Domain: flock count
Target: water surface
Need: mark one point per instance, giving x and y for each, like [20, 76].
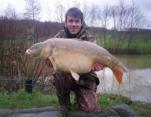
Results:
[136, 83]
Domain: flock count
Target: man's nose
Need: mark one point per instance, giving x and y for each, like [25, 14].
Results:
[73, 23]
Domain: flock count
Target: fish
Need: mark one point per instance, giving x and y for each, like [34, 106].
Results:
[76, 56]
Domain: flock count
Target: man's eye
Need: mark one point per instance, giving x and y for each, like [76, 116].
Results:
[70, 21]
[77, 21]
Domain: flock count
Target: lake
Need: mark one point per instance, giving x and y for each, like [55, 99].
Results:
[136, 83]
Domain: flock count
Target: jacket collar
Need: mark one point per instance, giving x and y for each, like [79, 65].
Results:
[78, 35]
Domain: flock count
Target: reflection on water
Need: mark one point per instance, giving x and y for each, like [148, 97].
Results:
[142, 85]
[136, 83]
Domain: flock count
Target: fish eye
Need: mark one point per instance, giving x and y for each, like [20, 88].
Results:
[34, 47]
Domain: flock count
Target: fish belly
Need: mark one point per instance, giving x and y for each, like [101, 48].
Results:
[72, 61]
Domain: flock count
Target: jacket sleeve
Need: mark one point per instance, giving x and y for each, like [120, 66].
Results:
[91, 38]
[60, 34]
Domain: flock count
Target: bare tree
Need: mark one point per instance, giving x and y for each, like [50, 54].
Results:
[32, 10]
[60, 13]
[86, 12]
[10, 17]
[93, 15]
[10, 13]
[104, 20]
[134, 21]
[114, 22]
[113, 17]
[121, 18]
[125, 17]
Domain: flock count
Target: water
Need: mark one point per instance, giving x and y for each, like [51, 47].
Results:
[136, 61]
[136, 83]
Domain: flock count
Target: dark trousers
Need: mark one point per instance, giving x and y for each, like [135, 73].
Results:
[85, 96]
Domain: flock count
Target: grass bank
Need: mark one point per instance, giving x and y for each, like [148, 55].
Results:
[125, 46]
[22, 99]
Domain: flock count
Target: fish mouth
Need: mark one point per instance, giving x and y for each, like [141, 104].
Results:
[28, 53]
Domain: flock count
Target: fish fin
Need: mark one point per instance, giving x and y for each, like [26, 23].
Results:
[118, 72]
[53, 63]
[75, 75]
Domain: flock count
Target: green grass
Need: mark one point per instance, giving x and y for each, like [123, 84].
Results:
[143, 109]
[139, 44]
[22, 99]
[108, 100]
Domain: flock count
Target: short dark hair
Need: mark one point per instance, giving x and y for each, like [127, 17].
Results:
[75, 12]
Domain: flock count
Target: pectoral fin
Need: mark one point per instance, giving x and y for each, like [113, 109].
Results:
[53, 63]
[75, 75]
[118, 72]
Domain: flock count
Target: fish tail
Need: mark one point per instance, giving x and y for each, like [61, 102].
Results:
[118, 72]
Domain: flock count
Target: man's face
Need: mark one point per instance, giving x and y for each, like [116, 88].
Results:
[73, 24]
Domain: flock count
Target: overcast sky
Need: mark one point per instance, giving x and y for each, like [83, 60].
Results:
[48, 6]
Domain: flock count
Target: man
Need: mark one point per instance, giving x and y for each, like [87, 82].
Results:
[85, 89]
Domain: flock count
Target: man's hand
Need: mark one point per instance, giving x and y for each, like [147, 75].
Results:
[97, 67]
